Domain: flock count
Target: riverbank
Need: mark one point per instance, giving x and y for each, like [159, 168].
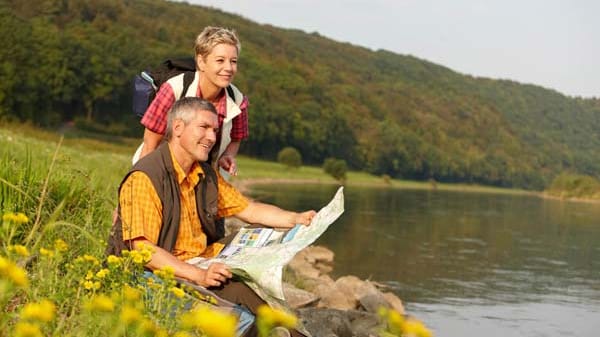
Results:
[245, 184]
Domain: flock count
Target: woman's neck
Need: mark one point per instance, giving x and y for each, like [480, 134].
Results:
[210, 92]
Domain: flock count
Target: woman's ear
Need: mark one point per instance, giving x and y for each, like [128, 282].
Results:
[199, 63]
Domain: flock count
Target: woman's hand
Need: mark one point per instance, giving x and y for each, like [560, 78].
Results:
[227, 163]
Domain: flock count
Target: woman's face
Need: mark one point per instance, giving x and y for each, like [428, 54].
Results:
[220, 65]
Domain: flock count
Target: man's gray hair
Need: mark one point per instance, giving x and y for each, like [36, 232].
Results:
[185, 109]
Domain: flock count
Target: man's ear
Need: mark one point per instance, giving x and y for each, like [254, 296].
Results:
[178, 126]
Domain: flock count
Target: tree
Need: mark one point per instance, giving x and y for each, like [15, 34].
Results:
[290, 157]
[336, 168]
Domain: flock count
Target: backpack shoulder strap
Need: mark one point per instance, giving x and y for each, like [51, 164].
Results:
[188, 78]
[235, 94]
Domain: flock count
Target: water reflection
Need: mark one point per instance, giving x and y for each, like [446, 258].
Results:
[466, 260]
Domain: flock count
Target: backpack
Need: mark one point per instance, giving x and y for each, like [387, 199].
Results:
[147, 83]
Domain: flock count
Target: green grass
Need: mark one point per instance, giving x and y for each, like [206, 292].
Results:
[66, 188]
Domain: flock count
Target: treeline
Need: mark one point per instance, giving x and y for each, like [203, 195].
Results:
[385, 113]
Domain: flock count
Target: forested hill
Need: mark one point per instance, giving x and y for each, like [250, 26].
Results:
[382, 112]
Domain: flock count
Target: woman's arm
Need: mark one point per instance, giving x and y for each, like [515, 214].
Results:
[151, 141]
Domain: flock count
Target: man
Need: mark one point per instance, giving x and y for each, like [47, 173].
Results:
[171, 198]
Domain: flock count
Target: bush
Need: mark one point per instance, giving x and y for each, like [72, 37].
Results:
[387, 179]
[570, 185]
[290, 157]
[336, 168]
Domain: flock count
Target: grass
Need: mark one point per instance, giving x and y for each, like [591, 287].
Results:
[57, 195]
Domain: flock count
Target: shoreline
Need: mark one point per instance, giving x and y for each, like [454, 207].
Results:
[245, 185]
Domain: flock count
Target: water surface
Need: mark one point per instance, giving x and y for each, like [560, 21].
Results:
[468, 264]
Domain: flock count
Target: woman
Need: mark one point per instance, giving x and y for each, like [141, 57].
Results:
[216, 56]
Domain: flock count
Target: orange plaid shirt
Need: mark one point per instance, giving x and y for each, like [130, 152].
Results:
[141, 211]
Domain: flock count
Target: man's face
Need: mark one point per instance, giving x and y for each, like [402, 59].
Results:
[220, 65]
[198, 137]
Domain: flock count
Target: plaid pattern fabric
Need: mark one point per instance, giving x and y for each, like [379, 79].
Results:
[141, 211]
[155, 118]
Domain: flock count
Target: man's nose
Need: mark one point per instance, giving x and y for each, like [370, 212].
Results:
[212, 135]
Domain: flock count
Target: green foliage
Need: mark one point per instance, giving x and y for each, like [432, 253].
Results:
[381, 112]
[336, 168]
[568, 185]
[290, 157]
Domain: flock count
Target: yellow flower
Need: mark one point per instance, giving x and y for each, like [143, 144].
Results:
[137, 257]
[15, 274]
[211, 322]
[43, 311]
[46, 252]
[166, 273]
[394, 320]
[113, 261]
[100, 303]
[19, 250]
[21, 218]
[178, 292]
[147, 328]
[131, 294]
[17, 218]
[272, 317]
[26, 329]
[130, 315]
[182, 334]
[60, 245]
[92, 259]
[88, 285]
[414, 328]
[89, 275]
[102, 273]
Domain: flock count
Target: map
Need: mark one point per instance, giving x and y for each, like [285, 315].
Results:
[261, 268]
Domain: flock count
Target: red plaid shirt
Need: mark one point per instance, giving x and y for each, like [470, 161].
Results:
[155, 118]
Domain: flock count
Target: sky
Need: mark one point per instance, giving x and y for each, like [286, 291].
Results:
[551, 43]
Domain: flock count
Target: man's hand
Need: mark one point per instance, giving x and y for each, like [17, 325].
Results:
[214, 276]
[227, 163]
[305, 218]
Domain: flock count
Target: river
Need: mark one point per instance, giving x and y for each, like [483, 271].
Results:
[468, 264]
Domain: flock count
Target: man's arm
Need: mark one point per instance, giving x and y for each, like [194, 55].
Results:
[273, 216]
[216, 273]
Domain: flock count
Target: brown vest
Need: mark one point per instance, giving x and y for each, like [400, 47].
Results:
[159, 168]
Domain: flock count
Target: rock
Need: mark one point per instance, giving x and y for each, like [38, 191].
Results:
[323, 268]
[326, 322]
[319, 254]
[394, 302]
[355, 287]
[298, 298]
[332, 322]
[312, 263]
[373, 301]
[363, 323]
[332, 297]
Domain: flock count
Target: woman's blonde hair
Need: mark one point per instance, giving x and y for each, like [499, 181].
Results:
[212, 36]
